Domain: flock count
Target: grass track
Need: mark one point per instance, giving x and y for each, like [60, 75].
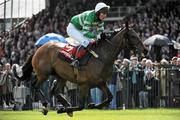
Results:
[148, 114]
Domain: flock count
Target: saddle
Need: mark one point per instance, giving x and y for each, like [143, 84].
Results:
[70, 52]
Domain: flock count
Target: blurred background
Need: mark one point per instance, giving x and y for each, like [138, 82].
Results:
[23, 22]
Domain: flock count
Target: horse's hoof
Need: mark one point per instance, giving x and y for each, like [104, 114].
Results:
[60, 110]
[70, 114]
[91, 105]
[44, 111]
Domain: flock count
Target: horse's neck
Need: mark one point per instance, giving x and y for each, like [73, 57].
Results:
[102, 67]
[107, 55]
[110, 52]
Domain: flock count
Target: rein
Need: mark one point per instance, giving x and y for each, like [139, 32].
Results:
[108, 41]
[116, 46]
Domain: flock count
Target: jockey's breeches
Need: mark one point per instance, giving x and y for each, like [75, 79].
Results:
[76, 34]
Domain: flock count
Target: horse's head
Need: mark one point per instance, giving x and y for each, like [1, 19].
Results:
[131, 40]
[126, 38]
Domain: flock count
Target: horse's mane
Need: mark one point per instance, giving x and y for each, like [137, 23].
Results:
[111, 34]
[107, 37]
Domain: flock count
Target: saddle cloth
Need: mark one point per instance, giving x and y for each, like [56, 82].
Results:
[70, 52]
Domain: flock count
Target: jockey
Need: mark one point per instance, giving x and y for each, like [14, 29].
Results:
[87, 26]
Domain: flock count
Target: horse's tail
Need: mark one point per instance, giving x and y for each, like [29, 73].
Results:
[24, 72]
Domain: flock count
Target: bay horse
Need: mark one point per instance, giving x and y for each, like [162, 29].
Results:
[46, 61]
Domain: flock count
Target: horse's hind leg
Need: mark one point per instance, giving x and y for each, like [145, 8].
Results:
[40, 79]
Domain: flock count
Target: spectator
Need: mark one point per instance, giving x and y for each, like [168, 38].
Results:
[112, 84]
[119, 86]
[151, 88]
[143, 100]
[134, 81]
[96, 95]
[164, 80]
[6, 82]
[178, 38]
[173, 60]
[178, 69]
[72, 94]
[125, 82]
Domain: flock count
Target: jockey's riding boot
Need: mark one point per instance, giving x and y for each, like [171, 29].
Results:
[75, 62]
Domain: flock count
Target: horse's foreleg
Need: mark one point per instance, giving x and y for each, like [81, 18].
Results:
[84, 89]
[66, 105]
[42, 97]
[57, 89]
[104, 88]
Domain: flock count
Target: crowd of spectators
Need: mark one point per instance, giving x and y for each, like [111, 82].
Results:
[159, 18]
[145, 83]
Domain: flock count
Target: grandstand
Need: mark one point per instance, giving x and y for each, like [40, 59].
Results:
[19, 33]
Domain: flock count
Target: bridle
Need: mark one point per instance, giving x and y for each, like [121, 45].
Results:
[125, 41]
[109, 42]
[115, 45]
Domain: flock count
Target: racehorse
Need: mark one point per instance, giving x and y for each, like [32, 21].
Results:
[46, 61]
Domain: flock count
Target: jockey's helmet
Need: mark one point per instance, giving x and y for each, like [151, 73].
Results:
[102, 8]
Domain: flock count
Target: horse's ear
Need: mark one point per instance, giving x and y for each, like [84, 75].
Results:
[132, 25]
[127, 25]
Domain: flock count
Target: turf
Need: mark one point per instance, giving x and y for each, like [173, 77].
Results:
[147, 114]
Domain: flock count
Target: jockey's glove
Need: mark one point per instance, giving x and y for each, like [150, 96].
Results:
[94, 42]
[98, 36]
[101, 36]
[85, 43]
